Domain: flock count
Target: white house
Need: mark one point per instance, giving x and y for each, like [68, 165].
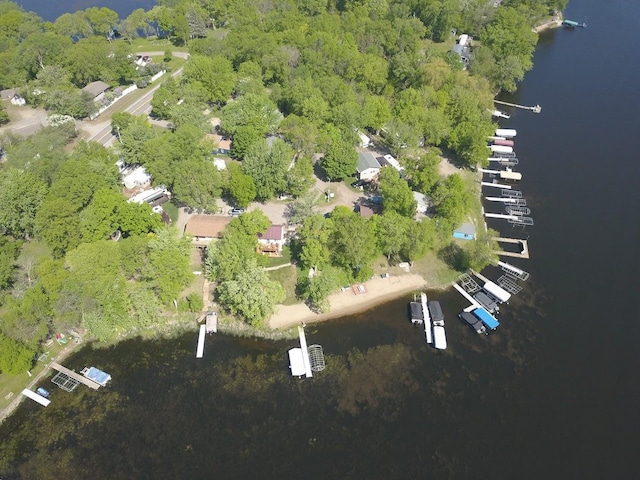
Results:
[422, 202]
[96, 89]
[368, 166]
[13, 96]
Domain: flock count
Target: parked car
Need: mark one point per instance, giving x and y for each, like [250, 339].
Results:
[236, 212]
[360, 184]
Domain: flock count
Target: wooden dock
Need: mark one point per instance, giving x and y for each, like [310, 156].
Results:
[525, 247]
[74, 375]
[534, 109]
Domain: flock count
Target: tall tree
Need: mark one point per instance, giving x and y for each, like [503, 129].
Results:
[396, 194]
[21, 195]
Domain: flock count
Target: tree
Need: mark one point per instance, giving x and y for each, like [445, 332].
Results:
[21, 195]
[9, 251]
[240, 187]
[268, 166]
[4, 116]
[197, 183]
[396, 194]
[353, 242]
[451, 199]
[120, 121]
[214, 73]
[197, 28]
[75, 25]
[102, 20]
[340, 160]
[300, 177]
[251, 294]
[15, 357]
[376, 112]
[168, 270]
[251, 110]
[425, 172]
[164, 99]
[137, 21]
[133, 139]
[58, 225]
[42, 49]
[243, 139]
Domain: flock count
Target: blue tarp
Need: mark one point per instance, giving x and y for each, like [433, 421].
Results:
[98, 376]
[486, 318]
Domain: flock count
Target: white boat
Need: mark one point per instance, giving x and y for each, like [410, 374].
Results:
[439, 337]
[499, 114]
[506, 132]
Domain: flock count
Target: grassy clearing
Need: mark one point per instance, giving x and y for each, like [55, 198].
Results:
[155, 44]
[287, 277]
[435, 272]
[282, 260]
[172, 211]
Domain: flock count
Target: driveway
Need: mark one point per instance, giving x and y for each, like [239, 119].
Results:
[25, 120]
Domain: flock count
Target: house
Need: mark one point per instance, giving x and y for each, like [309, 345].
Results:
[96, 89]
[463, 49]
[205, 228]
[153, 196]
[138, 177]
[272, 241]
[368, 167]
[223, 144]
[422, 202]
[13, 96]
[466, 231]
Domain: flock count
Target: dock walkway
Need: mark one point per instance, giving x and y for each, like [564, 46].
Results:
[82, 379]
[525, 247]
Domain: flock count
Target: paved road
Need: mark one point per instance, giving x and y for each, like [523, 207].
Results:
[142, 105]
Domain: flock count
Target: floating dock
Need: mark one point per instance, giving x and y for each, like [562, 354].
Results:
[76, 376]
[512, 200]
[305, 352]
[211, 322]
[35, 397]
[201, 337]
[471, 300]
[496, 185]
[534, 109]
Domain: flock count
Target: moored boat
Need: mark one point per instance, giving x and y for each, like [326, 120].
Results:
[473, 322]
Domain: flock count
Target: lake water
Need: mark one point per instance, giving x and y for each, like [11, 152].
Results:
[52, 9]
[552, 394]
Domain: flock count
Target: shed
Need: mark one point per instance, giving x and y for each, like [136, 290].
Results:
[96, 89]
[223, 144]
[466, 231]
[205, 228]
[368, 167]
[366, 212]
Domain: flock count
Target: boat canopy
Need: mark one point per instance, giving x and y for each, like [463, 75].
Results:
[416, 311]
[500, 293]
[296, 363]
[97, 376]
[486, 318]
[501, 149]
[439, 338]
[506, 132]
[436, 312]
[484, 300]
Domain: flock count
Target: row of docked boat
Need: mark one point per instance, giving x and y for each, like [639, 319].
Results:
[430, 315]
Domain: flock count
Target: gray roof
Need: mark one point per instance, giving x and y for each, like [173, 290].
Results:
[96, 88]
[8, 93]
[467, 229]
[367, 160]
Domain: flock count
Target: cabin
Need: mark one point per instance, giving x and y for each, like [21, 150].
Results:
[466, 231]
[368, 167]
[138, 177]
[96, 89]
[422, 202]
[463, 49]
[271, 242]
[206, 228]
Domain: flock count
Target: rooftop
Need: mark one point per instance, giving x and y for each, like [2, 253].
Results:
[208, 226]
[273, 233]
[367, 160]
[96, 88]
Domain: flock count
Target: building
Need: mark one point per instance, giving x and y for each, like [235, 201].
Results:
[368, 167]
[96, 89]
[223, 145]
[422, 202]
[138, 177]
[466, 231]
[463, 49]
[366, 212]
[272, 241]
[13, 96]
[205, 228]
[392, 162]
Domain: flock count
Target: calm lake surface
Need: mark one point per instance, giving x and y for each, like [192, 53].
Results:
[51, 9]
[552, 394]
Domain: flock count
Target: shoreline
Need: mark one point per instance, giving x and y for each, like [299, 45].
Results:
[379, 290]
[554, 22]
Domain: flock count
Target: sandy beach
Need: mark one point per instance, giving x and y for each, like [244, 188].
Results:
[378, 290]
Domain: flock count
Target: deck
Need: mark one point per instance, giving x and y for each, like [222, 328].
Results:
[75, 376]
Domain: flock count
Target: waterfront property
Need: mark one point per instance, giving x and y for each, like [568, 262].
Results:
[70, 379]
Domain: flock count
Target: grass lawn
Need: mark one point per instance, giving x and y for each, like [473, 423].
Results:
[171, 210]
[434, 271]
[283, 260]
[288, 278]
[154, 44]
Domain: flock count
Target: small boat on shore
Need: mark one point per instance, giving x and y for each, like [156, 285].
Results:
[500, 114]
[42, 392]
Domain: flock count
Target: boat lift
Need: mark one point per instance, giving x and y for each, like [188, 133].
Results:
[513, 271]
[513, 201]
[518, 210]
[521, 221]
[507, 174]
[511, 193]
[509, 285]
[507, 162]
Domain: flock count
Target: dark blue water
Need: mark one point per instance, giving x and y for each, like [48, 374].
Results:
[49, 10]
[552, 394]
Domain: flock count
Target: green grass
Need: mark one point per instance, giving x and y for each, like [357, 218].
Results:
[172, 211]
[287, 277]
[154, 44]
[435, 272]
[283, 260]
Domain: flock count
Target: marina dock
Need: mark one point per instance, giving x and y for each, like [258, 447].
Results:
[427, 318]
[306, 361]
[534, 109]
[524, 252]
[471, 300]
[76, 376]
[201, 337]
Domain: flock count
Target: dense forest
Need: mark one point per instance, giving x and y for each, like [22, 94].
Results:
[307, 76]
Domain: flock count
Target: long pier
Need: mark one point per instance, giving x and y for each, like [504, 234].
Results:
[471, 300]
[306, 361]
[82, 379]
[534, 109]
[525, 247]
